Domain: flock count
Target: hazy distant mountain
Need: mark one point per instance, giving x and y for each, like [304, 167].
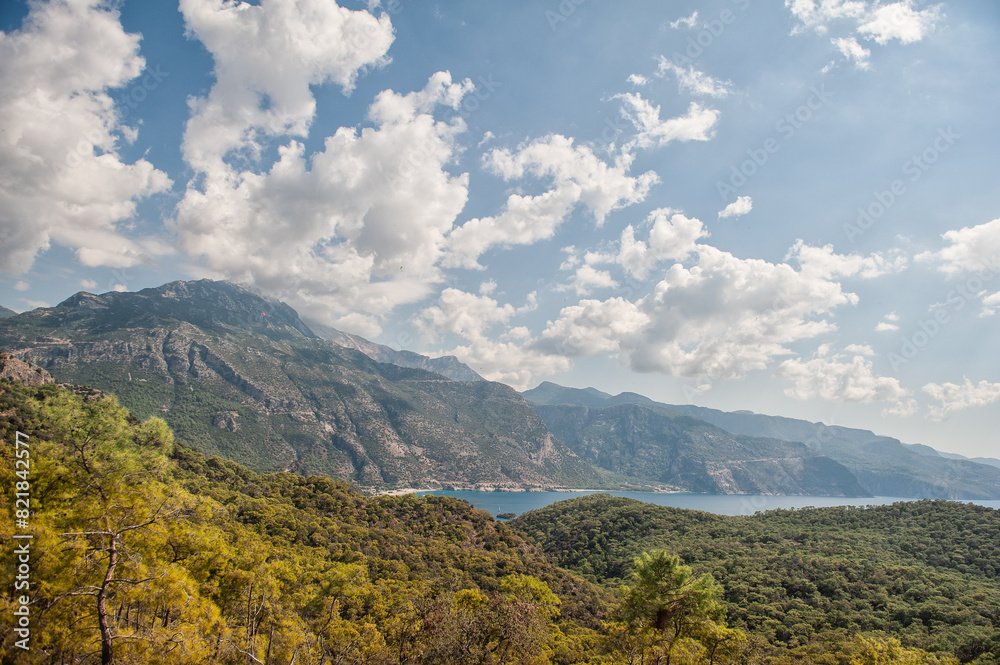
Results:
[448, 366]
[4, 312]
[244, 377]
[927, 450]
[883, 466]
[658, 445]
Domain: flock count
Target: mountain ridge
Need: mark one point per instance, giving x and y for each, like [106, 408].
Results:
[884, 466]
[245, 378]
[659, 445]
[448, 366]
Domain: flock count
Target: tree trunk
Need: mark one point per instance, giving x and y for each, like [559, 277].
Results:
[107, 651]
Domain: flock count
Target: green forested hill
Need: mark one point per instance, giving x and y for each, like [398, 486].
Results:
[927, 572]
[186, 559]
[146, 552]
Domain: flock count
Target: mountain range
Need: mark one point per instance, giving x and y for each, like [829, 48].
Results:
[883, 466]
[244, 377]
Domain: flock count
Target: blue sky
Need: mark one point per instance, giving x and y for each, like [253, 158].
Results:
[789, 207]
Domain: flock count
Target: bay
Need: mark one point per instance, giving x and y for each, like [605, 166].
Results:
[720, 504]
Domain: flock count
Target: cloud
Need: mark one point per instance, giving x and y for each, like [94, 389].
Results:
[860, 349]
[637, 79]
[692, 81]
[991, 304]
[969, 249]
[741, 206]
[839, 378]
[954, 397]
[853, 51]
[901, 21]
[889, 324]
[823, 262]
[686, 22]
[505, 356]
[587, 278]
[88, 284]
[902, 409]
[817, 15]
[877, 22]
[347, 233]
[697, 125]
[719, 317]
[576, 176]
[973, 251]
[62, 178]
[672, 236]
[266, 58]
[596, 327]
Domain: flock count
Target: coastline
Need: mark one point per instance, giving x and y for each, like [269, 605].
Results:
[496, 488]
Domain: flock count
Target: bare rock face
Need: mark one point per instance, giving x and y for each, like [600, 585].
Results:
[226, 420]
[15, 369]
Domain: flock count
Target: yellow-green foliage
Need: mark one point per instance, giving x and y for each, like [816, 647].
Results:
[146, 552]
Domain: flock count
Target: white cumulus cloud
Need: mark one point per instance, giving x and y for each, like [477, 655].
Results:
[741, 206]
[711, 314]
[955, 397]
[672, 236]
[62, 178]
[969, 249]
[899, 20]
[972, 253]
[266, 58]
[840, 378]
[577, 176]
[347, 233]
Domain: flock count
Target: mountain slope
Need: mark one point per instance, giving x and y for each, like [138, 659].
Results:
[658, 445]
[244, 378]
[447, 366]
[4, 312]
[882, 465]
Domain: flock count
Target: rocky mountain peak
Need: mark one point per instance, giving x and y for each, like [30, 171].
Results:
[205, 303]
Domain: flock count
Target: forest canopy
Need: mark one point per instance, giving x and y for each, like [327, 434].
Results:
[146, 551]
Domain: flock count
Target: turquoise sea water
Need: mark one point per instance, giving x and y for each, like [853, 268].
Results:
[721, 504]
